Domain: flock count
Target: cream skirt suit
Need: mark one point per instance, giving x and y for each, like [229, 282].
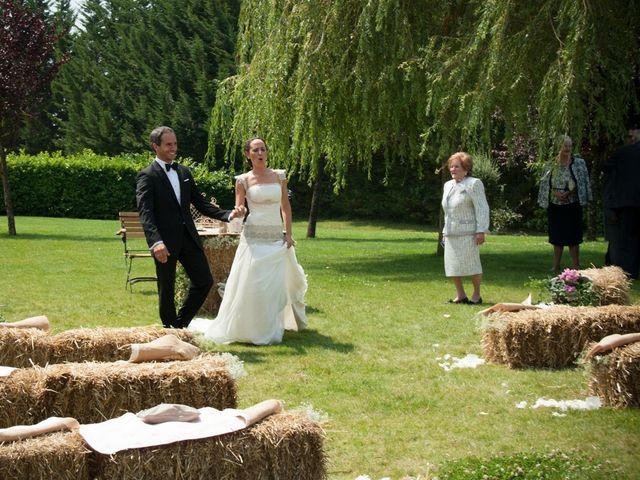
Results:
[466, 212]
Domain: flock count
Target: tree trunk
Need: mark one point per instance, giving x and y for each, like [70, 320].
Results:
[4, 173]
[315, 200]
[595, 213]
[440, 248]
[599, 152]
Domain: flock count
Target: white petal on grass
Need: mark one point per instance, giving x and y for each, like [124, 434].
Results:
[445, 366]
[558, 414]
[483, 413]
[590, 403]
[435, 345]
[363, 477]
[471, 360]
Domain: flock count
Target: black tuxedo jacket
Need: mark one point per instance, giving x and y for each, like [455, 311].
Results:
[165, 219]
[623, 182]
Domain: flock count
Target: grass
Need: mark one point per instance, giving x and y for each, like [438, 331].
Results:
[378, 321]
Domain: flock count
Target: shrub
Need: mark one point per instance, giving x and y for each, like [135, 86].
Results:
[88, 185]
[502, 218]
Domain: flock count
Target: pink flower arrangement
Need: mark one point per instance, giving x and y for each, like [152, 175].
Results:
[569, 276]
[570, 287]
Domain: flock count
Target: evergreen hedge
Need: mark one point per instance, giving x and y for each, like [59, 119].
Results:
[88, 185]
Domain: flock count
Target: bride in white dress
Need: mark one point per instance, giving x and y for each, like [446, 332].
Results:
[264, 294]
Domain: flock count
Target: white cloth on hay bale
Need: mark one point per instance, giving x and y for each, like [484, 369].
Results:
[6, 371]
[129, 431]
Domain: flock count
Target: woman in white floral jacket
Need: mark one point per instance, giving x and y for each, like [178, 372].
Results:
[564, 190]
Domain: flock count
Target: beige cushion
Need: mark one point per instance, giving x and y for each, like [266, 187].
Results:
[169, 412]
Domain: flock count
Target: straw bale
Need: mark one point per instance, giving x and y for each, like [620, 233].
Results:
[220, 257]
[60, 455]
[611, 283]
[105, 344]
[615, 377]
[552, 337]
[18, 344]
[283, 446]
[33, 347]
[93, 392]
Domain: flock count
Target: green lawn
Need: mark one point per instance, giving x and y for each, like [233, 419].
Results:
[378, 321]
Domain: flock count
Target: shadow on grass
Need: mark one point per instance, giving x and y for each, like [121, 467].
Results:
[293, 344]
[58, 236]
[376, 240]
[146, 293]
[500, 268]
[378, 225]
[301, 341]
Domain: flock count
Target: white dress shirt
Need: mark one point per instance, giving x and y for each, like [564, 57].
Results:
[173, 177]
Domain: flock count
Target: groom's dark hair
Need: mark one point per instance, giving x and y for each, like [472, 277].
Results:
[155, 137]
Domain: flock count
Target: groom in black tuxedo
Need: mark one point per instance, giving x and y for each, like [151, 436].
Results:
[622, 204]
[164, 193]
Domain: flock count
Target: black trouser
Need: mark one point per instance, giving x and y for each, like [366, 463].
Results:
[624, 240]
[196, 267]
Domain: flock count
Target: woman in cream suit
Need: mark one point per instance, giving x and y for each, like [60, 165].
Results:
[466, 220]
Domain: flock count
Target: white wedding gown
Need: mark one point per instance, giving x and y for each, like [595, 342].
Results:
[264, 294]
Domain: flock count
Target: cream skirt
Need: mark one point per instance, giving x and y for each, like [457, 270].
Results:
[461, 256]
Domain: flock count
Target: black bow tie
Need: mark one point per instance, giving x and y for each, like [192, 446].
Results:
[171, 165]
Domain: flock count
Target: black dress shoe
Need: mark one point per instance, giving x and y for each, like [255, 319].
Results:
[463, 301]
[478, 302]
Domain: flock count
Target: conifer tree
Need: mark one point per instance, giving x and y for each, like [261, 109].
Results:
[41, 130]
[142, 63]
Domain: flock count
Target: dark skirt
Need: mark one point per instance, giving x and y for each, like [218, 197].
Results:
[565, 224]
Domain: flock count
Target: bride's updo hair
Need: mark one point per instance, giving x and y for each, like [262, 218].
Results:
[247, 147]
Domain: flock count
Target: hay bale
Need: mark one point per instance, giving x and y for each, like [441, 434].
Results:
[105, 344]
[220, 257]
[611, 284]
[17, 346]
[283, 446]
[24, 348]
[93, 392]
[552, 337]
[615, 377]
[60, 455]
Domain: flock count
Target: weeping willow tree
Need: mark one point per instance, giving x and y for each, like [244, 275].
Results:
[539, 69]
[334, 84]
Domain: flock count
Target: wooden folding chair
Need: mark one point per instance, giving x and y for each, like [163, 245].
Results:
[131, 228]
